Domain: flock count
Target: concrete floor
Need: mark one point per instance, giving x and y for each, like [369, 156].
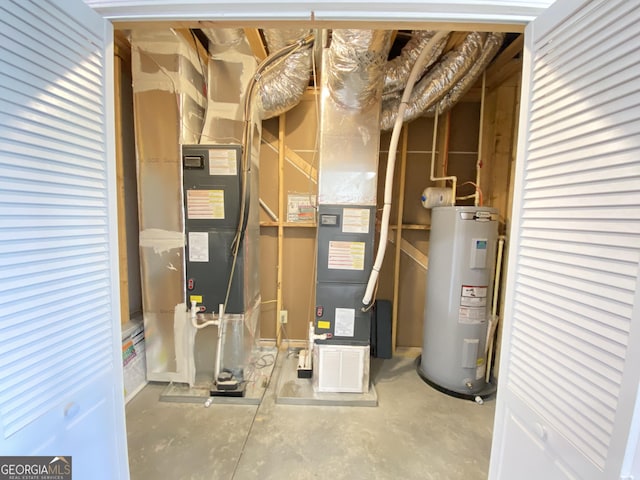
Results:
[415, 432]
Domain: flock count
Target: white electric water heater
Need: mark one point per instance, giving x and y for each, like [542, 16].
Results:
[462, 252]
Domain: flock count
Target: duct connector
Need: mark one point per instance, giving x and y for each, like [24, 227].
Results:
[397, 70]
[355, 66]
[280, 88]
[490, 48]
[453, 66]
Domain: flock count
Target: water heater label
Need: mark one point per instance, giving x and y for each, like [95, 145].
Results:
[346, 255]
[198, 247]
[355, 220]
[345, 322]
[473, 302]
[474, 291]
[222, 162]
[205, 204]
[472, 315]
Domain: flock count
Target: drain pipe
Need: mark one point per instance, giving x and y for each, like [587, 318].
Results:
[478, 200]
[221, 327]
[432, 176]
[221, 331]
[493, 321]
[388, 189]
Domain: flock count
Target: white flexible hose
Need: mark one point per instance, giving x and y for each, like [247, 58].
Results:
[393, 145]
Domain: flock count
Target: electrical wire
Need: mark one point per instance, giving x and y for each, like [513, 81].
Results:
[478, 193]
[265, 361]
[253, 421]
[314, 161]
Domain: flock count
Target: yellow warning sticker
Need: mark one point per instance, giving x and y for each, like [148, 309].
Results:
[324, 324]
[195, 298]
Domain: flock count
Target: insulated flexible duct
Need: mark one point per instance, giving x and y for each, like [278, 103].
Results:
[490, 48]
[396, 71]
[355, 64]
[437, 82]
[281, 87]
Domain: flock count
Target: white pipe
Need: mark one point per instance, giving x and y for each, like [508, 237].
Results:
[480, 133]
[393, 145]
[432, 174]
[221, 325]
[496, 282]
[493, 321]
[270, 212]
[194, 317]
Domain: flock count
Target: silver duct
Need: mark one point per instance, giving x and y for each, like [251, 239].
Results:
[437, 82]
[396, 71]
[223, 38]
[281, 87]
[355, 66]
[491, 46]
[231, 68]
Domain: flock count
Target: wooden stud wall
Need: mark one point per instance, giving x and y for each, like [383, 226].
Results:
[129, 260]
[121, 61]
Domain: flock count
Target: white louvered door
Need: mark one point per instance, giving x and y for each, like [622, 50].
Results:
[60, 366]
[571, 360]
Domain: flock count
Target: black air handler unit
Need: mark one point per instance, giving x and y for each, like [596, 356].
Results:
[212, 199]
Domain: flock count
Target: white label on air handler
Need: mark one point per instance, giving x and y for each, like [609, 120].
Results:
[346, 255]
[222, 162]
[205, 204]
[355, 220]
[345, 322]
[198, 246]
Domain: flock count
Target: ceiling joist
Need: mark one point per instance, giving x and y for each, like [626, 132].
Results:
[506, 64]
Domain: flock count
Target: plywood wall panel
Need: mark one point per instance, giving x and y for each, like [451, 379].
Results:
[418, 165]
[298, 280]
[301, 128]
[268, 265]
[465, 118]
[413, 280]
